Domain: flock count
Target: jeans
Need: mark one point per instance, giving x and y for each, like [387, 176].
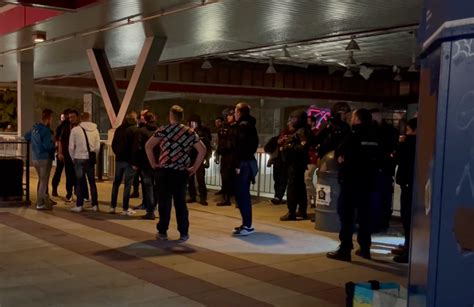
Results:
[248, 170]
[172, 187]
[280, 178]
[43, 168]
[57, 174]
[85, 170]
[70, 176]
[354, 197]
[201, 180]
[148, 187]
[122, 169]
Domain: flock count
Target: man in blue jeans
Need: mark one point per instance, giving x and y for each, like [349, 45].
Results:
[173, 169]
[245, 165]
[122, 148]
[42, 147]
[83, 143]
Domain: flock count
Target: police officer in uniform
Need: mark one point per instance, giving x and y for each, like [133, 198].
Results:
[335, 131]
[295, 151]
[225, 154]
[359, 158]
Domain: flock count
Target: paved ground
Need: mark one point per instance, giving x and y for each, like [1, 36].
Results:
[96, 259]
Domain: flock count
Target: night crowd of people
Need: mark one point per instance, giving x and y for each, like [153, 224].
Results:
[169, 160]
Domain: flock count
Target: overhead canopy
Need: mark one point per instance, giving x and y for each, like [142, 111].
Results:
[200, 28]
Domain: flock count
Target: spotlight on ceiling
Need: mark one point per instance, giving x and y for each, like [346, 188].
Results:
[286, 53]
[348, 74]
[353, 45]
[350, 61]
[39, 36]
[398, 76]
[365, 72]
[271, 69]
[413, 67]
[206, 64]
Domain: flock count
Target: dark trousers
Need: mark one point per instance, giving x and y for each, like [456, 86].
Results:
[296, 192]
[57, 174]
[172, 187]
[280, 178]
[200, 176]
[85, 170]
[70, 176]
[228, 176]
[148, 189]
[242, 195]
[125, 172]
[354, 197]
[406, 199]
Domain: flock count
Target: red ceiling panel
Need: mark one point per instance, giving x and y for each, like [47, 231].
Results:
[20, 17]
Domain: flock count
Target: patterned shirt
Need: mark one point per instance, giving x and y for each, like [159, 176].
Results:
[176, 143]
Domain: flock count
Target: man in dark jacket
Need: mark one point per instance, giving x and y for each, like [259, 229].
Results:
[335, 131]
[405, 176]
[295, 151]
[64, 132]
[359, 156]
[225, 154]
[42, 147]
[122, 147]
[388, 136]
[140, 162]
[205, 137]
[59, 163]
[245, 165]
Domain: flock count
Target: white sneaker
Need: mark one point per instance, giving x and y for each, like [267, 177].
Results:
[112, 210]
[95, 208]
[244, 231]
[87, 200]
[76, 209]
[128, 212]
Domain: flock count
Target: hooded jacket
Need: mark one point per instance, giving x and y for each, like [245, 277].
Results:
[123, 140]
[42, 144]
[246, 140]
[77, 141]
[142, 134]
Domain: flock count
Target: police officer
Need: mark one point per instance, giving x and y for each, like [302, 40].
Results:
[295, 150]
[359, 156]
[205, 136]
[225, 155]
[336, 129]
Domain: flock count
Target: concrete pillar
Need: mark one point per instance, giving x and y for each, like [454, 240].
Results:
[25, 89]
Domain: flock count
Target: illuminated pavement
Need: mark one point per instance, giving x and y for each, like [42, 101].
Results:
[96, 259]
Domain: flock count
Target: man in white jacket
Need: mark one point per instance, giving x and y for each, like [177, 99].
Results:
[79, 148]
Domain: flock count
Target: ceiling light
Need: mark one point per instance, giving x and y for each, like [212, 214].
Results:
[39, 36]
[350, 61]
[353, 45]
[286, 53]
[271, 69]
[348, 74]
[365, 72]
[398, 77]
[206, 64]
[413, 67]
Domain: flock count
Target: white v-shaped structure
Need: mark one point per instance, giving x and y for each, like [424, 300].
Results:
[139, 82]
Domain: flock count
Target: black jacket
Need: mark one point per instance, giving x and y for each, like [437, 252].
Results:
[123, 140]
[331, 136]
[63, 132]
[206, 138]
[361, 151]
[246, 140]
[406, 161]
[142, 135]
[388, 136]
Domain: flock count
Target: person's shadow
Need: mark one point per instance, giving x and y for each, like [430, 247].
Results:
[263, 238]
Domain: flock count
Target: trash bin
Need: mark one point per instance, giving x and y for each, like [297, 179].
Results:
[327, 194]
